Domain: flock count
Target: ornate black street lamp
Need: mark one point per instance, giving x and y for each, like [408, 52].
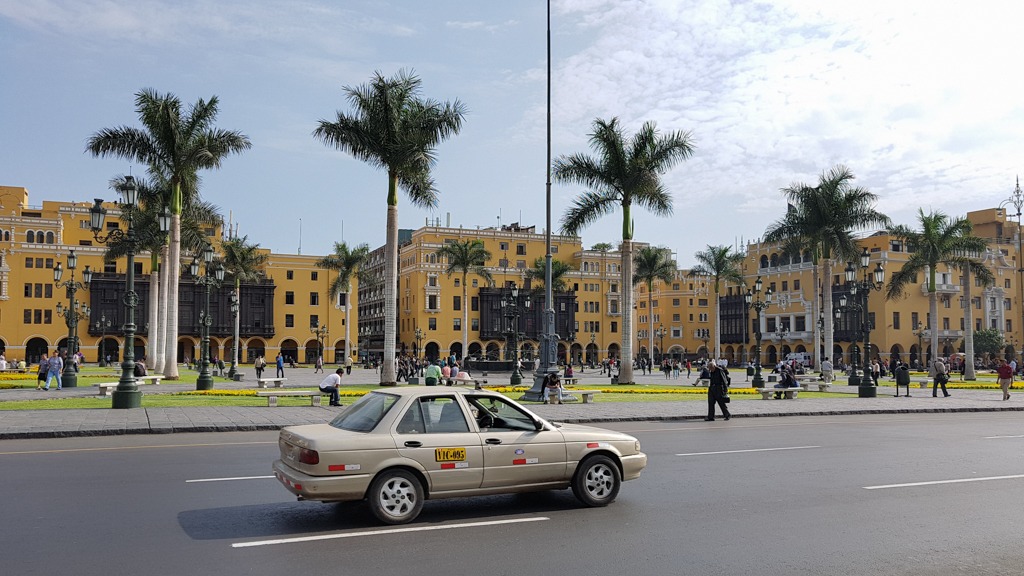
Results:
[1017, 200]
[660, 333]
[705, 335]
[919, 331]
[127, 394]
[234, 341]
[512, 310]
[860, 290]
[213, 277]
[102, 324]
[321, 334]
[593, 356]
[753, 300]
[418, 335]
[72, 314]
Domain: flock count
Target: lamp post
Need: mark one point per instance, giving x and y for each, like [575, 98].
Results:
[860, 290]
[102, 324]
[780, 334]
[593, 356]
[705, 335]
[511, 308]
[234, 341]
[214, 276]
[127, 394]
[72, 314]
[1017, 200]
[660, 333]
[321, 333]
[418, 334]
[753, 300]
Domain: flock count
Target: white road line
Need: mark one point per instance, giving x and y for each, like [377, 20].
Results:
[385, 531]
[753, 450]
[227, 479]
[934, 482]
[997, 437]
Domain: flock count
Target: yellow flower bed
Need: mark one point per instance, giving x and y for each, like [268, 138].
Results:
[19, 377]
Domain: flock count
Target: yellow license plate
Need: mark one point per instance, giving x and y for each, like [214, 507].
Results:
[449, 454]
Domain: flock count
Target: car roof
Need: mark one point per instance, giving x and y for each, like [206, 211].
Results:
[430, 390]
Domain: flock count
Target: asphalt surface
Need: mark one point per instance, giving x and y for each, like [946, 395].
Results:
[101, 421]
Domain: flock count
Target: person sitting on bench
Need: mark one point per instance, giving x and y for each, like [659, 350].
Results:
[330, 386]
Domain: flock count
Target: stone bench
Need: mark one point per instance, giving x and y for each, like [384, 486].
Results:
[106, 388]
[277, 382]
[586, 395]
[155, 379]
[806, 386]
[273, 395]
[789, 393]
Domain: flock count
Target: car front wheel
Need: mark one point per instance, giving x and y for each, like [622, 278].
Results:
[396, 497]
[597, 481]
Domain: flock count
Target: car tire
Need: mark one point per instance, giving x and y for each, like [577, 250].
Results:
[395, 496]
[597, 480]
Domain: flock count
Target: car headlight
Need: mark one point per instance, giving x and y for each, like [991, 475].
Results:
[636, 446]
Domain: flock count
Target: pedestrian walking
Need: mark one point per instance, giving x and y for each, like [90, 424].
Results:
[318, 366]
[41, 371]
[259, 365]
[941, 378]
[876, 371]
[280, 365]
[718, 391]
[1005, 372]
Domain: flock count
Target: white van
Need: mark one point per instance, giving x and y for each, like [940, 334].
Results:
[802, 357]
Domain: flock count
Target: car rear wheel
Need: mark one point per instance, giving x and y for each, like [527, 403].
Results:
[597, 481]
[396, 497]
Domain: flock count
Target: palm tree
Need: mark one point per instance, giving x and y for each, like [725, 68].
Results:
[653, 264]
[347, 262]
[941, 240]
[558, 271]
[175, 145]
[465, 257]
[822, 218]
[243, 262]
[623, 174]
[720, 264]
[392, 128]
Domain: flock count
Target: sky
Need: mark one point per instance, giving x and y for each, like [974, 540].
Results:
[922, 100]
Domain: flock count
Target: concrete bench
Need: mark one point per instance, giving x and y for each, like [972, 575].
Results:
[702, 382]
[273, 395]
[277, 382]
[155, 379]
[570, 381]
[789, 393]
[476, 382]
[586, 395]
[106, 387]
[806, 386]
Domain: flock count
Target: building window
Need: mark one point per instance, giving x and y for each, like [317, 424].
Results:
[554, 249]
[614, 288]
[432, 280]
[431, 323]
[289, 297]
[457, 324]
[675, 301]
[432, 302]
[37, 316]
[289, 321]
[49, 263]
[785, 286]
[47, 316]
[458, 283]
[342, 297]
[28, 290]
[521, 264]
[474, 324]
[502, 245]
[895, 320]
[520, 249]
[474, 303]
[314, 320]
[457, 303]
[29, 262]
[314, 275]
[288, 274]
[28, 316]
[1006, 283]
[614, 327]
[314, 298]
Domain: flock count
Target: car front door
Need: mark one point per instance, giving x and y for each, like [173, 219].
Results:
[434, 432]
[515, 452]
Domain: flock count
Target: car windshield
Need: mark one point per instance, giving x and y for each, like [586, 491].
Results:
[366, 413]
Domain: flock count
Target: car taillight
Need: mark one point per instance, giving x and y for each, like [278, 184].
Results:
[307, 456]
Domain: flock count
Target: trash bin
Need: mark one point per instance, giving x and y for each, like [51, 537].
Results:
[750, 370]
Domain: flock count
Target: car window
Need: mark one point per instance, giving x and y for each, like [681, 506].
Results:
[366, 413]
[494, 413]
[433, 415]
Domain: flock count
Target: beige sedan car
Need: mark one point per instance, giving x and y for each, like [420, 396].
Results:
[396, 448]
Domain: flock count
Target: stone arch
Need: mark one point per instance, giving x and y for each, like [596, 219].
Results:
[254, 348]
[456, 349]
[774, 260]
[763, 261]
[310, 351]
[35, 349]
[614, 350]
[475, 350]
[289, 348]
[432, 351]
[493, 351]
[30, 237]
[49, 238]
[772, 354]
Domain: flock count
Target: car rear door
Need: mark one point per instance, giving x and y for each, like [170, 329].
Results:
[435, 433]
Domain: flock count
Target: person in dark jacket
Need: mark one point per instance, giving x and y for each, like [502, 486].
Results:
[718, 390]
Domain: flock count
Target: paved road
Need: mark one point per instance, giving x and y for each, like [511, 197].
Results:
[64, 423]
[903, 494]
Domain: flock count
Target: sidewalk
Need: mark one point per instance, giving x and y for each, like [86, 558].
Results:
[94, 422]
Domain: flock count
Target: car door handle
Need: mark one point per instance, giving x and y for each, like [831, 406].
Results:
[413, 444]
[493, 440]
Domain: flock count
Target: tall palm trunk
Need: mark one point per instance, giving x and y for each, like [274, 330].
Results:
[348, 323]
[815, 314]
[153, 350]
[826, 288]
[718, 325]
[933, 310]
[650, 322]
[160, 349]
[465, 319]
[173, 273]
[387, 371]
[626, 282]
[968, 328]
[237, 347]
